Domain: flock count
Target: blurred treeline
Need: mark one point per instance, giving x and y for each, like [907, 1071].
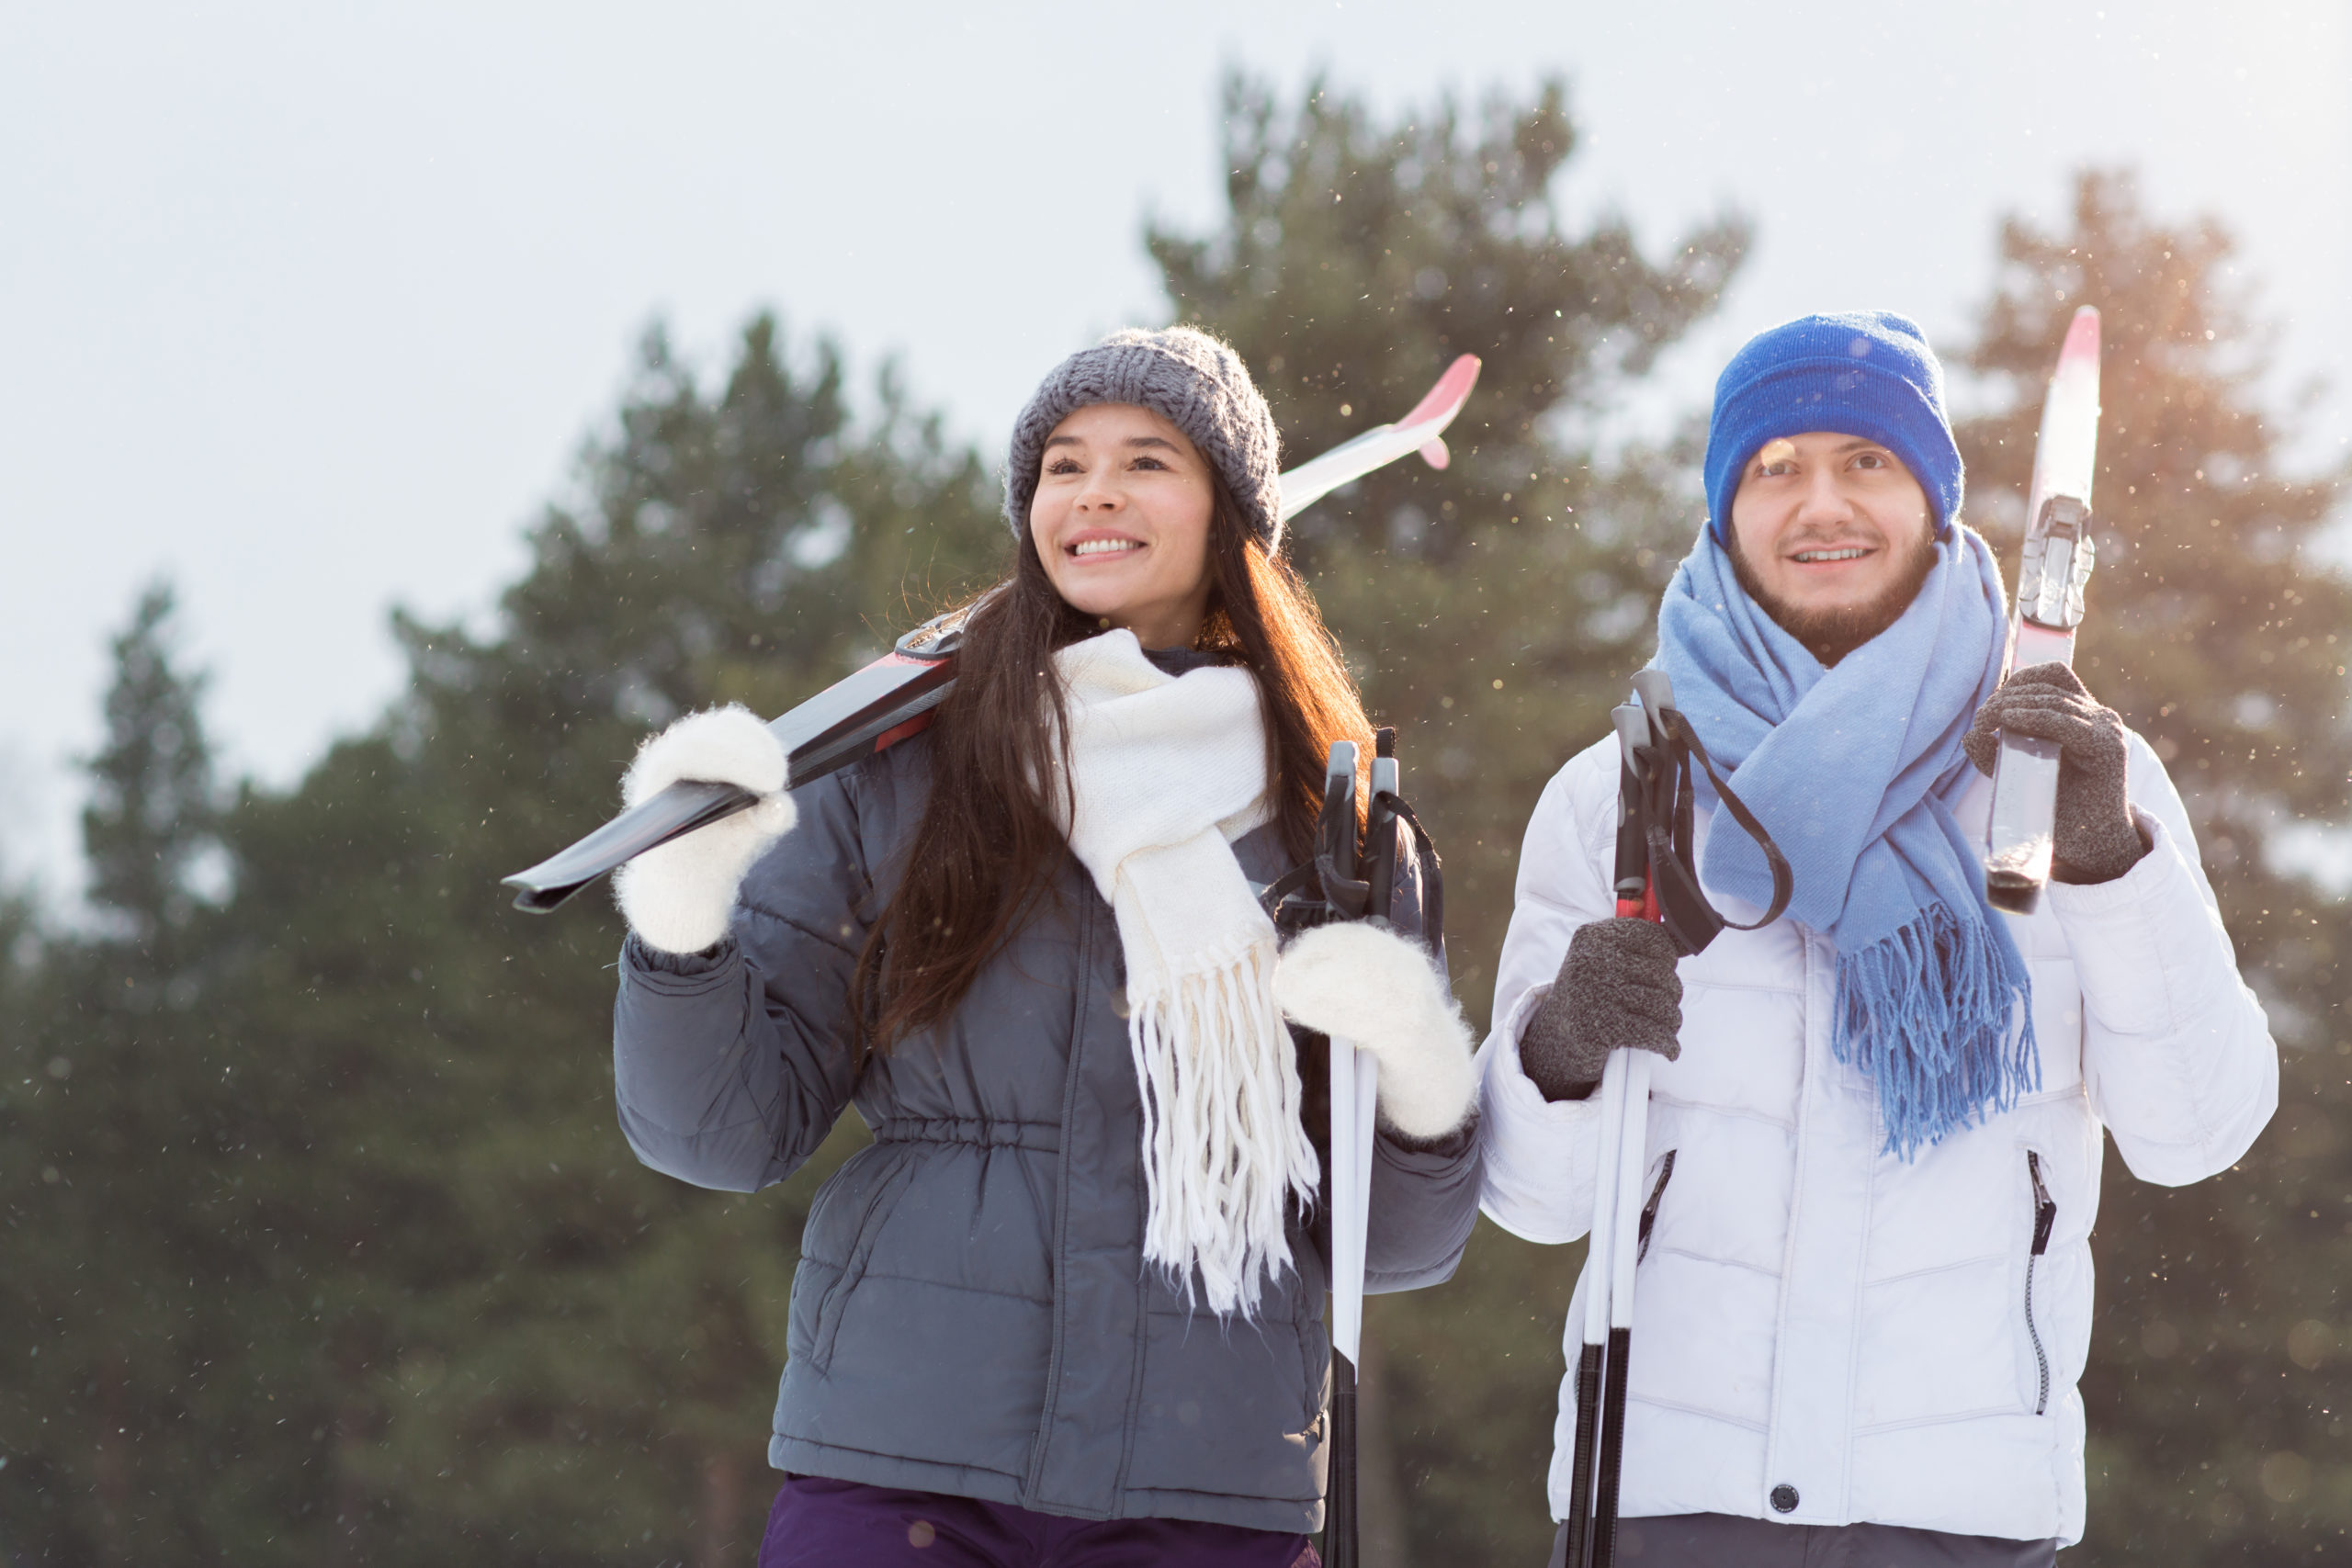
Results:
[321, 1246]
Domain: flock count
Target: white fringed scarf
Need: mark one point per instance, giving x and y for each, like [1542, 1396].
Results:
[1167, 771]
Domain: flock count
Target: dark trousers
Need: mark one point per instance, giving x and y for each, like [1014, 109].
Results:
[815, 1521]
[1722, 1541]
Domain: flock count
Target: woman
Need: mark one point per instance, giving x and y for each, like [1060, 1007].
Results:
[1052, 1313]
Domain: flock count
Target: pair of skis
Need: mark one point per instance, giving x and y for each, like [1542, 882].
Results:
[1656, 878]
[1352, 883]
[2052, 569]
[894, 696]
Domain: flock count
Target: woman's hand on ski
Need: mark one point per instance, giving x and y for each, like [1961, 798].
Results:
[1363, 983]
[2096, 837]
[1617, 987]
[680, 897]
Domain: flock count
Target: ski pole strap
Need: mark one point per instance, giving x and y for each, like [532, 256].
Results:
[1290, 913]
[1679, 730]
[1283, 902]
[1433, 876]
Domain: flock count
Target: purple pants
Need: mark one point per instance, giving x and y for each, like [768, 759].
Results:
[815, 1521]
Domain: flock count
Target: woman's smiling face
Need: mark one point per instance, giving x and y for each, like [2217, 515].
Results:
[1121, 521]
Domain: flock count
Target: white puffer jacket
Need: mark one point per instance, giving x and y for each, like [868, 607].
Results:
[1823, 1333]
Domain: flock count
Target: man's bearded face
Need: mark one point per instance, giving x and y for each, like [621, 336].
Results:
[1832, 536]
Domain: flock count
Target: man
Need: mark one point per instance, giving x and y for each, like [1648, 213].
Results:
[1874, 1136]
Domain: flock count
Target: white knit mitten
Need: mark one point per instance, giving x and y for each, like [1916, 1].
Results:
[679, 898]
[1371, 986]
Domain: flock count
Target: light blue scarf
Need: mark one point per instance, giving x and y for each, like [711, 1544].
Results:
[1855, 771]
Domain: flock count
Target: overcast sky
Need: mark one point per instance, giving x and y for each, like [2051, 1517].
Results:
[309, 307]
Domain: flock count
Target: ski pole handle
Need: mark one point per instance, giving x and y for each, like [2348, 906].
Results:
[1636, 895]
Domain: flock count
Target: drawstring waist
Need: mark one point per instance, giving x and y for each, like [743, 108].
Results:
[981, 1132]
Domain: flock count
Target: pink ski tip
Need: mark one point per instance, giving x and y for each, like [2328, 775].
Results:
[1445, 399]
[2082, 336]
[1434, 454]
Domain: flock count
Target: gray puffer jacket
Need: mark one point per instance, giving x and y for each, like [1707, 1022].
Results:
[972, 1314]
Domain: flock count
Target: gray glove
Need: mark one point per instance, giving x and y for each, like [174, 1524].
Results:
[1617, 987]
[2096, 837]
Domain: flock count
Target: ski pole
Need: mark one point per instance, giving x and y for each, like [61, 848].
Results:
[1633, 1149]
[1654, 879]
[1355, 1083]
[1602, 1347]
[893, 697]
[1592, 1360]
[1356, 887]
[2052, 568]
[1616, 1256]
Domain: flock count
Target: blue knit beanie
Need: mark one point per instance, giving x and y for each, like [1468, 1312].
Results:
[1865, 373]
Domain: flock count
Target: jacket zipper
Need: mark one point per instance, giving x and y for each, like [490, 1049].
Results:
[1649, 1209]
[1073, 1079]
[2045, 1215]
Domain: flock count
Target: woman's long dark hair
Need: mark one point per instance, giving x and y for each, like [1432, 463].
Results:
[990, 841]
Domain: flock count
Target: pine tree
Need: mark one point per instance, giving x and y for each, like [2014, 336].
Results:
[2220, 631]
[152, 811]
[526, 1348]
[1494, 611]
[322, 1244]
[108, 1135]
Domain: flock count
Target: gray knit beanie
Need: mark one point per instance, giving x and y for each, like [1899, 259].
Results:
[1188, 378]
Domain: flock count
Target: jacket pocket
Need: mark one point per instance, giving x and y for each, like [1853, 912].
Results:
[2045, 1216]
[1649, 1206]
[870, 1220]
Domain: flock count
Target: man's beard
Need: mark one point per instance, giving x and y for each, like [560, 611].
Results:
[1830, 635]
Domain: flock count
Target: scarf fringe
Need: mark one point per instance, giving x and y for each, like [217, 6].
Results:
[1938, 1013]
[1162, 770]
[1225, 1150]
